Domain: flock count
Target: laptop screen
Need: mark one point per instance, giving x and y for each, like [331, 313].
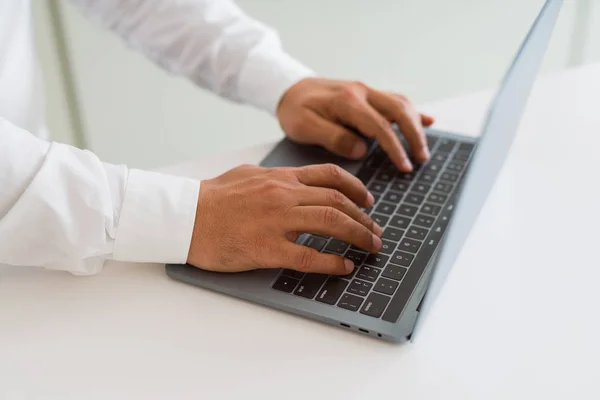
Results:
[497, 136]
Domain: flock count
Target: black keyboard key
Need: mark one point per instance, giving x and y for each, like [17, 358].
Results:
[431, 141]
[392, 197]
[386, 286]
[285, 283]
[310, 285]
[437, 198]
[394, 272]
[375, 304]
[399, 221]
[446, 145]
[414, 198]
[468, 147]
[316, 243]
[380, 219]
[427, 177]
[434, 167]
[407, 210]
[439, 157]
[461, 157]
[385, 208]
[332, 290]
[392, 234]
[293, 274]
[387, 247]
[414, 274]
[377, 187]
[385, 176]
[359, 287]
[350, 302]
[337, 246]
[375, 160]
[455, 166]
[368, 273]
[365, 175]
[409, 245]
[424, 220]
[400, 186]
[415, 232]
[431, 209]
[377, 260]
[402, 258]
[449, 176]
[351, 274]
[443, 187]
[407, 176]
[421, 188]
[356, 257]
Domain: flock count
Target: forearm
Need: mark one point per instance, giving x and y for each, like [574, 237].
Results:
[212, 42]
[62, 208]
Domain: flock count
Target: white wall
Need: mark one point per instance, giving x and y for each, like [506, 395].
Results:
[135, 113]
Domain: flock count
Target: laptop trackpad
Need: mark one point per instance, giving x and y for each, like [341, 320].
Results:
[290, 154]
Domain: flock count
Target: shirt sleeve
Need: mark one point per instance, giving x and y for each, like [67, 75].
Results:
[212, 42]
[62, 208]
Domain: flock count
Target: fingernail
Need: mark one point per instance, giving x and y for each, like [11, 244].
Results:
[359, 150]
[349, 265]
[425, 154]
[407, 165]
[376, 242]
[370, 199]
[377, 229]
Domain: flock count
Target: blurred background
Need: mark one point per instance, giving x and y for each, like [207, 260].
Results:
[102, 96]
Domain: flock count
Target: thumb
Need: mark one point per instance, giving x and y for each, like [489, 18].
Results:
[338, 139]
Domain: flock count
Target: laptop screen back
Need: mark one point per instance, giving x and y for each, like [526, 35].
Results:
[497, 136]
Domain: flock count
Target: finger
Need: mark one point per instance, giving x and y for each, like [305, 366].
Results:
[358, 113]
[335, 138]
[328, 221]
[312, 196]
[305, 259]
[427, 120]
[334, 177]
[400, 110]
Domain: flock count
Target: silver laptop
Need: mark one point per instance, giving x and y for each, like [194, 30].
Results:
[426, 217]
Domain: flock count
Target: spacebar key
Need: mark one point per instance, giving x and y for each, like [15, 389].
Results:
[418, 265]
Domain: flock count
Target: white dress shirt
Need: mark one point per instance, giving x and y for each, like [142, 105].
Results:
[63, 208]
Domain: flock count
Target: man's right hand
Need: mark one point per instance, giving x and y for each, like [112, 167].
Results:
[250, 217]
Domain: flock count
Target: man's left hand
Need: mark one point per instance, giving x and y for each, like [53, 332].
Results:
[329, 112]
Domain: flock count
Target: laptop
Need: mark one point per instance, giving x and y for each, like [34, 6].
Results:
[426, 217]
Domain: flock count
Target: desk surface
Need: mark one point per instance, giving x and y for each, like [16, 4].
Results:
[516, 319]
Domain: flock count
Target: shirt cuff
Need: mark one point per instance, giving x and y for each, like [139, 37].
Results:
[267, 74]
[157, 218]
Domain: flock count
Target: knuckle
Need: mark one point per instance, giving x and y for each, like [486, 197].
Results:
[348, 93]
[359, 85]
[402, 99]
[329, 216]
[334, 197]
[334, 171]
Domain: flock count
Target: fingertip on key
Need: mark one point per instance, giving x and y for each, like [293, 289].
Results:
[349, 265]
[376, 242]
[377, 229]
[370, 199]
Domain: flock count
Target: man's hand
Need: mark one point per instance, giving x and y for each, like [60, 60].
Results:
[324, 112]
[249, 218]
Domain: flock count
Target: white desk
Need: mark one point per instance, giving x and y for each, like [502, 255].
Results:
[516, 319]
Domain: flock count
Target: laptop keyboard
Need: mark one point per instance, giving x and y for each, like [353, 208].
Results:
[413, 209]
